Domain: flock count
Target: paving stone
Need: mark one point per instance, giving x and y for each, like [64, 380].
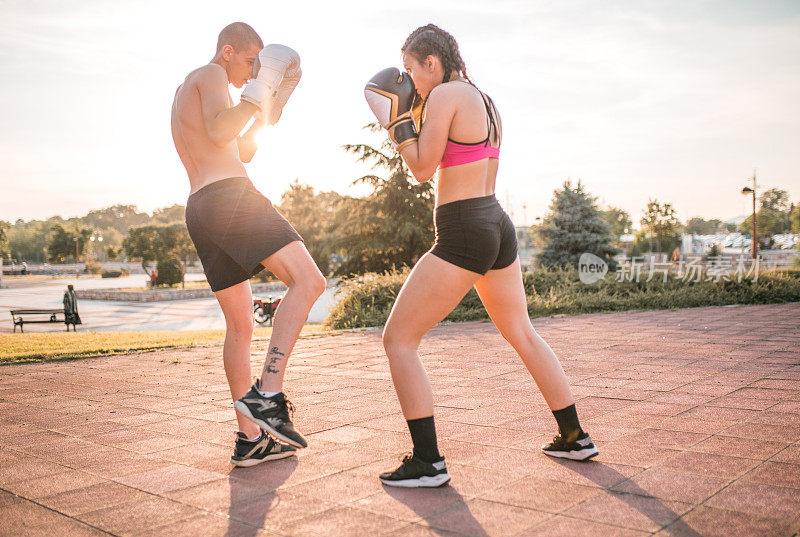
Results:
[541, 494]
[482, 518]
[209, 525]
[706, 464]
[131, 518]
[168, 478]
[63, 526]
[660, 482]
[759, 500]
[629, 510]
[347, 521]
[53, 484]
[709, 522]
[412, 505]
[562, 526]
[775, 473]
[19, 517]
[83, 500]
[740, 447]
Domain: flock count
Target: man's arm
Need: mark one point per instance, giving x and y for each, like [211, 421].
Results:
[223, 123]
[247, 142]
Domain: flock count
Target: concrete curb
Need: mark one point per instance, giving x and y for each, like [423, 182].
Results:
[157, 295]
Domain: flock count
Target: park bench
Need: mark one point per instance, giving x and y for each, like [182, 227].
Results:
[67, 315]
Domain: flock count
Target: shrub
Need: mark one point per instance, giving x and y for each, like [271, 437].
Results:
[367, 300]
[93, 267]
[112, 273]
[170, 272]
[265, 276]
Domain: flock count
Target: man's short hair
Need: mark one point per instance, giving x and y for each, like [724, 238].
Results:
[240, 36]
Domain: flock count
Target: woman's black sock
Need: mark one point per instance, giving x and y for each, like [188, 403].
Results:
[568, 424]
[423, 434]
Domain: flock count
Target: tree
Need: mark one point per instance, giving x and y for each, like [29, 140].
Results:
[160, 243]
[775, 199]
[169, 271]
[618, 221]
[573, 226]
[768, 223]
[700, 226]
[28, 240]
[795, 219]
[661, 222]
[168, 215]
[393, 226]
[312, 214]
[4, 227]
[63, 246]
[120, 217]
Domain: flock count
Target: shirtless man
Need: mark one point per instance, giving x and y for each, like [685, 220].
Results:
[236, 230]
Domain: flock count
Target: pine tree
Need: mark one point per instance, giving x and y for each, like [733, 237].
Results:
[393, 226]
[574, 226]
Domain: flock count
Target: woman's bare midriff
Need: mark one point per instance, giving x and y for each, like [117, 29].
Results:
[465, 181]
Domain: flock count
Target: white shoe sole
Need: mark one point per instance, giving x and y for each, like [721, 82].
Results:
[424, 481]
[246, 463]
[241, 407]
[582, 455]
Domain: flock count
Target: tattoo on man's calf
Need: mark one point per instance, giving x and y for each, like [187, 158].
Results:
[274, 356]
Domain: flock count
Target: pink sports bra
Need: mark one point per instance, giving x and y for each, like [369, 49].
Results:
[456, 153]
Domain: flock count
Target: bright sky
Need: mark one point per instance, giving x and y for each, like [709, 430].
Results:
[676, 100]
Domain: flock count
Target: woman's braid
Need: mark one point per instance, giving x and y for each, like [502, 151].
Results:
[430, 39]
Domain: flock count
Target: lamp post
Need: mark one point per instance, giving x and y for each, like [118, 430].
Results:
[747, 190]
[99, 238]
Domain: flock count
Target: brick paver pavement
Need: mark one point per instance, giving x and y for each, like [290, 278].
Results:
[696, 413]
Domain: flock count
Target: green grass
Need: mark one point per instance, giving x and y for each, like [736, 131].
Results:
[48, 346]
[367, 300]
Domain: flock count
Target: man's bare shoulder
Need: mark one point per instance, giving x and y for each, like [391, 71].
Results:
[211, 73]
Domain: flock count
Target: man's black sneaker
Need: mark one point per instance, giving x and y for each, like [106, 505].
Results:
[414, 472]
[271, 414]
[252, 452]
[580, 450]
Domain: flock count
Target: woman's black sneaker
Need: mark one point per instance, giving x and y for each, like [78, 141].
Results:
[271, 414]
[252, 452]
[414, 472]
[580, 450]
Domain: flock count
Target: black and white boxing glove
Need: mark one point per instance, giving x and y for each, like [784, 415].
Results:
[390, 95]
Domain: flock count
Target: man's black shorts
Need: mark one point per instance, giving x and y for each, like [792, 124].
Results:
[234, 227]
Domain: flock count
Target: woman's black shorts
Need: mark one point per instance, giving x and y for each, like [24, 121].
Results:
[475, 234]
[234, 227]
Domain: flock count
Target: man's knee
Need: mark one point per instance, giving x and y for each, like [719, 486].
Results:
[318, 284]
[312, 284]
[241, 328]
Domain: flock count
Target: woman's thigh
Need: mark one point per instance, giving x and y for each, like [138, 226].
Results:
[433, 289]
[503, 295]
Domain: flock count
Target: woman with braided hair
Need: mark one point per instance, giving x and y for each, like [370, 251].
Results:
[476, 244]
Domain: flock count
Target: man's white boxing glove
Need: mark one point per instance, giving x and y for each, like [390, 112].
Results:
[290, 81]
[390, 95]
[271, 65]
